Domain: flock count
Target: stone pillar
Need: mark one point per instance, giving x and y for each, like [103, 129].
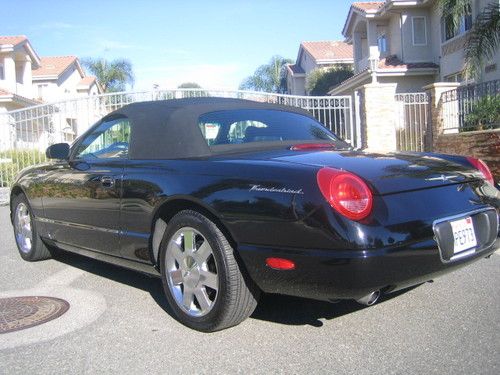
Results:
[27, 78]
[371, 29]
[9, 67]
[435, 91]
[378, 116]
[358, 52]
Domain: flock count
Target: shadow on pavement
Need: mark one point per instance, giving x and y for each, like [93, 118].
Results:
[272, 308]
[122, 275]
[302, 311]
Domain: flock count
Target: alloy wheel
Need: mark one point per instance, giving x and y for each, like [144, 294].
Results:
[191, 272]
[23, 228]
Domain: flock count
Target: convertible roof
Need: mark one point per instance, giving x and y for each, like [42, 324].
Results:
[168, 129]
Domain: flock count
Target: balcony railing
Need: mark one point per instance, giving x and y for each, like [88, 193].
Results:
[361, 64]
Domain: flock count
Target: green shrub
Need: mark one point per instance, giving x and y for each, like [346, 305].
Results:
[485, 114]
[12, 161]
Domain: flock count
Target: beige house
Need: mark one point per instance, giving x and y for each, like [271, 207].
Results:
[408, 43]
[17, 59]
[314, 55]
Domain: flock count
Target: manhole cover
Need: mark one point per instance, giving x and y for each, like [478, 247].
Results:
[18, 313]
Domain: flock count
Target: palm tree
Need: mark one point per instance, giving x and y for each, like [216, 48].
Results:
[269, 77]
[484, 36]
[112, 76]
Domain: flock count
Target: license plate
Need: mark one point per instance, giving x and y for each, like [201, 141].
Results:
[463, 234]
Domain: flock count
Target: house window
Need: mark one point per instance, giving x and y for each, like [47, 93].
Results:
[382, 43]
[41, 90]
[449, 30]
[2, 76]
[419, 31]
[455, 77]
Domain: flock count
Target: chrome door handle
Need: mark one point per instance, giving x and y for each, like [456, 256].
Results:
[107, 182]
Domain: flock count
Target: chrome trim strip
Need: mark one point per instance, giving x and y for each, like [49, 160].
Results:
[76, 225]
[461, 216]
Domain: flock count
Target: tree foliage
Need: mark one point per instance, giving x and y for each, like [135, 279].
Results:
[483, 38]
[320, 81]
[485, 114]
[270, 77]
[112, 76]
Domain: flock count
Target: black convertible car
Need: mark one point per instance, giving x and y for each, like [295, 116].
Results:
[226, 198]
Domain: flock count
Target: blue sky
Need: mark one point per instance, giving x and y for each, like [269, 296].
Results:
[214, 43]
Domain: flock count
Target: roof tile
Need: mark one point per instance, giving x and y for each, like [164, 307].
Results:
[329, 50]
[295, 69]
[87, 81]
[53, 65]
[12, 40]
[392, 62]
[369, 5]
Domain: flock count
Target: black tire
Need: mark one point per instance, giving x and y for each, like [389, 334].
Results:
[38, 250]
[236, 296]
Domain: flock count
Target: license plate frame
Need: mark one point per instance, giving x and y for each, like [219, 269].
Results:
[464, 235]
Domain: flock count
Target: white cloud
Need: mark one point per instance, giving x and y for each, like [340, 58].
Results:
[54, 26]
[210, 76]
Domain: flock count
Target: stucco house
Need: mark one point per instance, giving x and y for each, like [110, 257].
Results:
[60, 77]
[27, 79]
[408, 43]
[314, 55]
[17, 59]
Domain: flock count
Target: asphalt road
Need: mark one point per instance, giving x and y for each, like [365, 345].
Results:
[118, 322]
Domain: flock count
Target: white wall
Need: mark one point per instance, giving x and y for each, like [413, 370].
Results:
[60, 89]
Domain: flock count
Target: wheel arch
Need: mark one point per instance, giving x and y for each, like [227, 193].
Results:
[168, 209]
[14, 192]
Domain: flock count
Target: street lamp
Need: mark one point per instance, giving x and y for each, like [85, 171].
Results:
[373, 61]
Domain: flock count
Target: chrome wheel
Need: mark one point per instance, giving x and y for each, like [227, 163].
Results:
[22, 227]
[191, 272]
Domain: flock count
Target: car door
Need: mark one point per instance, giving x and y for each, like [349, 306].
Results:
[82, 208]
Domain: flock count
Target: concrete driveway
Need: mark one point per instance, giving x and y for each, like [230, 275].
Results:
[118, 322]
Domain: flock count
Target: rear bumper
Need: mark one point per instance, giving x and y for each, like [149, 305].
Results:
[329, 274]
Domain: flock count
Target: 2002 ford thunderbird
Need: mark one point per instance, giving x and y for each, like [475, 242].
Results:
[226, 198]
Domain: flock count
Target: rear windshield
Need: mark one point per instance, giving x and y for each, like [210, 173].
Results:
[245, 126]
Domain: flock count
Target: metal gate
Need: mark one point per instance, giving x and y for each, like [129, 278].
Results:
[26, 133]
[413, 121]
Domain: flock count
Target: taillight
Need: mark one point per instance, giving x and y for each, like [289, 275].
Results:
[483, 168]
[346, 193]
[312, 146]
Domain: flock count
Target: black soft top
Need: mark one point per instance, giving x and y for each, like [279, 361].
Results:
[168, 129]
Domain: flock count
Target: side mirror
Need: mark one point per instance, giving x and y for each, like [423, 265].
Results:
[58, 151]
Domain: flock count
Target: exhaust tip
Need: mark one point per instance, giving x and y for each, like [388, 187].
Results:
[370, 298]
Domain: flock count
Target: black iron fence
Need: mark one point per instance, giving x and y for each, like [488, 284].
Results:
[472, 107]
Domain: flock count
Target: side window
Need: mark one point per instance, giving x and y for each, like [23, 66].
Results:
[109, 141]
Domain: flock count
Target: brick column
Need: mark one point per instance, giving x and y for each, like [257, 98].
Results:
[378, 117]
[435, 91]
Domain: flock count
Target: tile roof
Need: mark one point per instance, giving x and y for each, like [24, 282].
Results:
[367, 6]
[87, 81]
[12, 40]
[329, 50]
[295, 69]
[53, 65]
[18, 98]
[392, 62]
